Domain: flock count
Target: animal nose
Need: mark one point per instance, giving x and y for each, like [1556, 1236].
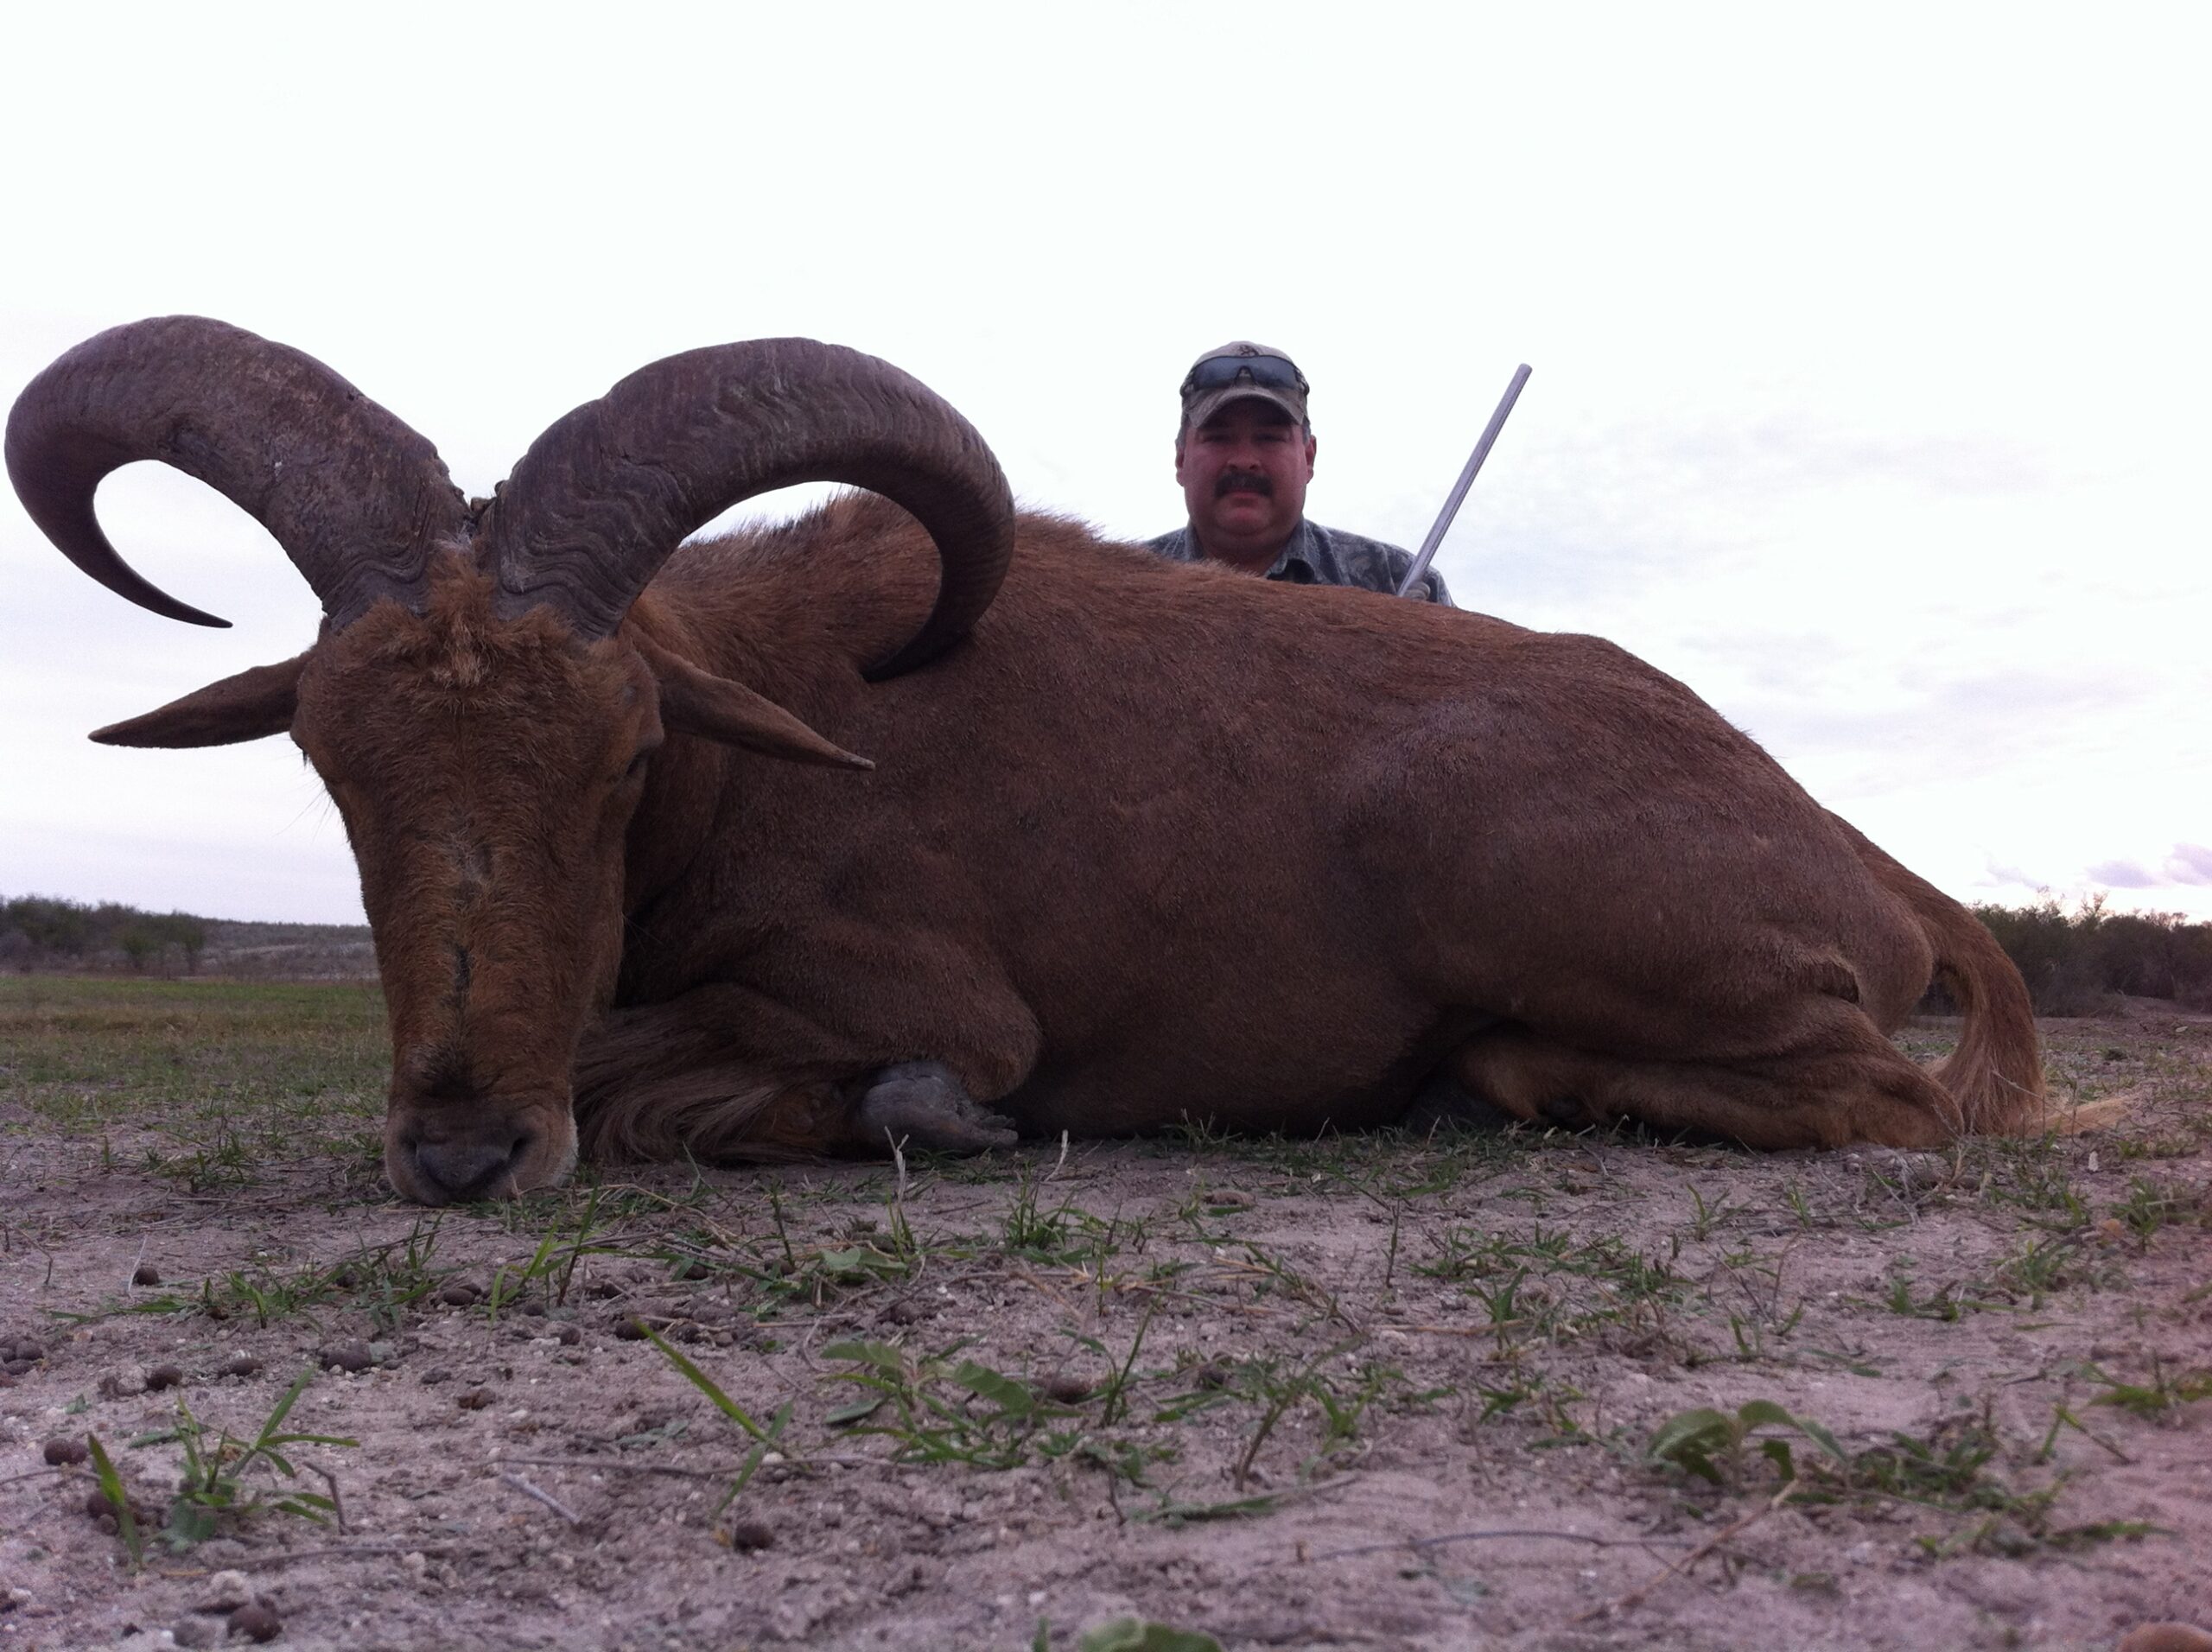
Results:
[472, 1167]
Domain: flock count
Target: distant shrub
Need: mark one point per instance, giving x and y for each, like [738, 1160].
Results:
[2076, 962]
[55, 926]
[41, 932]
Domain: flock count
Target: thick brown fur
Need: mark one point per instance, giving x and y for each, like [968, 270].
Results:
[1156, 842]
[1164, 841]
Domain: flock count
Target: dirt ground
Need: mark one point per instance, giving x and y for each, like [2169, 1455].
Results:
[1461, 1391]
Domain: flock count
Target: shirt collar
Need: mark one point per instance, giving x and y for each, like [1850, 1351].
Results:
[1304, 550]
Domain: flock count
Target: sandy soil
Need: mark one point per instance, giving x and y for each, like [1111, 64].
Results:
[1378, 1392]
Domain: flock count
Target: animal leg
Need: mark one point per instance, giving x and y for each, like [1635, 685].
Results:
[1851, 1085]
[723, 1075]
[922, 1104]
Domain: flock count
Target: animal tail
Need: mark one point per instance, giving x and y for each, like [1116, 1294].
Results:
[1996, 1073]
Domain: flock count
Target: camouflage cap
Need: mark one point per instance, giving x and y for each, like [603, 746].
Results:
[1243, 371]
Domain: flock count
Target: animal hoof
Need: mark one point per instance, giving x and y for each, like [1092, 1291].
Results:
[1564, 1110]
[1443, 1100]
[920, 1104]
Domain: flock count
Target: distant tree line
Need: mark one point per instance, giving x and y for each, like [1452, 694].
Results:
[42, 932]
[2077, 961]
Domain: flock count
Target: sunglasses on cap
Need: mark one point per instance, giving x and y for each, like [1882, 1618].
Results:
[1269, 373]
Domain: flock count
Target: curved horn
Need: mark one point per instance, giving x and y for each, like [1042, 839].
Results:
[355, 498]
[602, 497]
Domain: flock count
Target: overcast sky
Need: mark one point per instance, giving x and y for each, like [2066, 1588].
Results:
[1871, 357]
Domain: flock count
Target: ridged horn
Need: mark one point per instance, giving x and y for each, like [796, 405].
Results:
[605, 494]
[356, 498]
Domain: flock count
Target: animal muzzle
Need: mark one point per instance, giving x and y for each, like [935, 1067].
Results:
[444, 1156]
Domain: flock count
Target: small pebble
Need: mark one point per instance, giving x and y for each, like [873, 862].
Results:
[145, 1273]
[107, 1525]
[225, 1592]
[240, 1365]
[196, 1631]
[570, 1335]
[475, 1400]
[344, 1356]
[98, 1506]
[255, 1622]
[165, 1376]
[750, 1535]
[459, 1293]
[60, 1452]
[124, 1382]
[1067, 1389]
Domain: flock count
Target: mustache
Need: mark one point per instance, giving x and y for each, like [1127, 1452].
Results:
[1244, 481]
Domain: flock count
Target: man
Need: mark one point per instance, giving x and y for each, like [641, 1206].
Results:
[1244, 454]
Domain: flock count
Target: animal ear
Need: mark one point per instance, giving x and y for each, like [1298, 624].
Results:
[249, 706]
[693, 701]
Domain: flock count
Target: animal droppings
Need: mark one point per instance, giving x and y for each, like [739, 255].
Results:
[196, 1631]
[459, 1295]
[255, 1622]
[240, 1365]
[2166, 1638]
[345, 1357]
[165, 1376]
[748, 1535]
[1067, 1389]
[475, 1400]
[62, 1452]
[145, 1273]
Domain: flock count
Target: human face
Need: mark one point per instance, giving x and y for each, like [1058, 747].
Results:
[1243, 474]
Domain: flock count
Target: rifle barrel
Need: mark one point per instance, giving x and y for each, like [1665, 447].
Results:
[1466, 481]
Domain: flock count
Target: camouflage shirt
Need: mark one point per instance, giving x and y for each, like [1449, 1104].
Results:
[1318, 555]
